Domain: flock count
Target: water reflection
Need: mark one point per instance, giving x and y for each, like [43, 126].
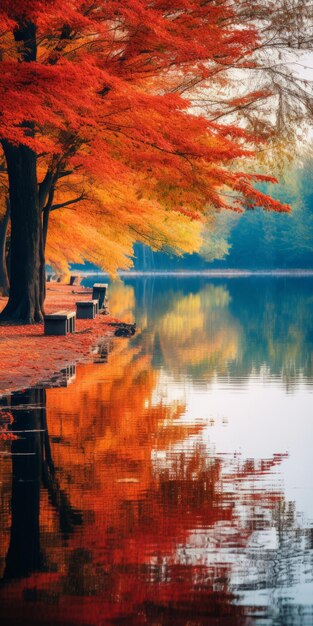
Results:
[32, 468]
[235, 327]
[168, 484]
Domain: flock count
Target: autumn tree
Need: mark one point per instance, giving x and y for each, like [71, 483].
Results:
[279, 70]
[102, 95]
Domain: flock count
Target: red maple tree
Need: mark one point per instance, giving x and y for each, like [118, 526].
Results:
[106, 92]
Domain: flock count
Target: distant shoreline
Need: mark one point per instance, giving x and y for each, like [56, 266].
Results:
[228, 273]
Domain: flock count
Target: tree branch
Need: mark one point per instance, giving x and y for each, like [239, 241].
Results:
[61, 205]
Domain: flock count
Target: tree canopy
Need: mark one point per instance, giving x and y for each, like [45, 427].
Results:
[101, 129]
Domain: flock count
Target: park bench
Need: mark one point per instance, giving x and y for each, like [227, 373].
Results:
[75, 280]
[99, 292]
[52, 278]
[60, 323]
[87, 309]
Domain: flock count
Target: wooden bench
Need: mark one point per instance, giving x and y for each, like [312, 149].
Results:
[99, 292]
[60, 323]
[87, 309]
[75, 280]
[51, 278]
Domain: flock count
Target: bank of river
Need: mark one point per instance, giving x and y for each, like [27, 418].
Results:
[28, 357]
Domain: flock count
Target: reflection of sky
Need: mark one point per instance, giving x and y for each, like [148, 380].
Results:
[257, 420]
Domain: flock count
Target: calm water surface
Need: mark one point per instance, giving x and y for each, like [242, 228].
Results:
[171, 482]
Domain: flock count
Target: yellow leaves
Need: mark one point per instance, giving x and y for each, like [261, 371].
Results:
[103, 226]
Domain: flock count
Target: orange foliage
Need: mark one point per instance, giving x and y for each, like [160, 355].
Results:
[114, 118]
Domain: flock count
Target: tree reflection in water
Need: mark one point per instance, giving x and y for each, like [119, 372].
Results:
[140, 520]
[32, 467]
[237, 327]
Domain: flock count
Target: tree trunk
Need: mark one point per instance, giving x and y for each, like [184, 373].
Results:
[42, 270]
[27, 273]
[4, 278]
[46, 215]
[27, 268]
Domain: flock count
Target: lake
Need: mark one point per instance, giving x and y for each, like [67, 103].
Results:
[169, 482]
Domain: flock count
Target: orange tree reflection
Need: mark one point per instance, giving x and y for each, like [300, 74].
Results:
[146, 501]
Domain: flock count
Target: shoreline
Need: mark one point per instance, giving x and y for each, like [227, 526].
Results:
[227, 273]
[30, 358]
